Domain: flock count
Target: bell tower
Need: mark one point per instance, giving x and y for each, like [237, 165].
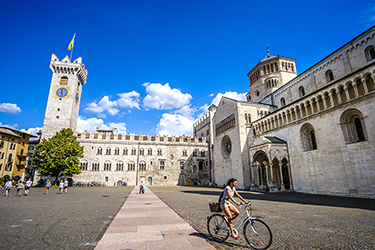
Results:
[270, 74]
[64, 95]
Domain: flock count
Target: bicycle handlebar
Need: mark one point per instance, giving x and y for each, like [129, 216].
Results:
[245, 204]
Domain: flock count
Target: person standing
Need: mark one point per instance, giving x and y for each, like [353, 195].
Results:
[28, 186]
[8, 186]
[61, 186]
[66, 184]
[19, 188]
[48, 185]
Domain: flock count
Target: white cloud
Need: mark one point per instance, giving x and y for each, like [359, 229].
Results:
[91, 124]
[229, 94]
[9, 108]
[126, 100]
[163, 97]
[103, 105]
[186, 111]
[175, 124]
[32, 131]
[129, 100]
[14, 126]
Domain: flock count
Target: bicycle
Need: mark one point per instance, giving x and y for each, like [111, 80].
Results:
[257, 233]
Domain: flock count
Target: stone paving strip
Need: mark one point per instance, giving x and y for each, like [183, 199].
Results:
[145, 222]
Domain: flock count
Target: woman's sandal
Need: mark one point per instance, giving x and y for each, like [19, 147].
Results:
[235, 237]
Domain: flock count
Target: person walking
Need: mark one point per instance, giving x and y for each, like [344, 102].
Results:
[66, 184]
[8, 186]
[227, 207]
[61, 186]
[48, 185]
[141, 188]
[19, 186]
[28, 186]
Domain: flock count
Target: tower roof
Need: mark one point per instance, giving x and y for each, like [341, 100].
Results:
[268, 57]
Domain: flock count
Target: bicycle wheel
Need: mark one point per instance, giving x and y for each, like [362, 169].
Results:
[257, 234]
[217, 227]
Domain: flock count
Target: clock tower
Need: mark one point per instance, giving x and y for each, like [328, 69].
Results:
[64, 95]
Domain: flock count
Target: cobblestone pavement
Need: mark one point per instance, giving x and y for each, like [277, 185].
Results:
[297, 221]
[58, 221]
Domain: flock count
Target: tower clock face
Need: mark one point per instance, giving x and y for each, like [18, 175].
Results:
[77, 97]
[61, 92]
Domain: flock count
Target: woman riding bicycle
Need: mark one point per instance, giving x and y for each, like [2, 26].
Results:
[227, 207]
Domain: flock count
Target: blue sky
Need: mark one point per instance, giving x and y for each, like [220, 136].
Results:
[155, 66]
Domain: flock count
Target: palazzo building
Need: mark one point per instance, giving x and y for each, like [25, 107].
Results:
[309, 133]
[13, 153]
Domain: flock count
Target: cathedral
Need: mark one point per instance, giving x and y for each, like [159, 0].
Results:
[308, 132]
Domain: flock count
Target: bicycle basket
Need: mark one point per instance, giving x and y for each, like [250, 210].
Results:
[215, 207]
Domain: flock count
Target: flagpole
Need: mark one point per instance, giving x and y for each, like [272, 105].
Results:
[72, 42]
[71, 53]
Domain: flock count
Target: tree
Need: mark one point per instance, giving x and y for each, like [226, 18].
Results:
[59, 155]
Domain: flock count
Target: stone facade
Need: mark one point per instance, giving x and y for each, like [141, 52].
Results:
[115, 159]
[13, 153]
[311, 133]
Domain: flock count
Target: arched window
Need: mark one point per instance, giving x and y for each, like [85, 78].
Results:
[141, 151]
[64, 80]
[131, 166]
[353, 126]
[329, 76]
[134, 151]
[119, 166]
[149, 152]
[160, 152]
[184, 153]
[117, 151]
[301, 91]
[308, 137]
[125, 151]
[142, 166]
[282, 102]
[108, 151]
[370, 53]
[100, 151]
[107, 166]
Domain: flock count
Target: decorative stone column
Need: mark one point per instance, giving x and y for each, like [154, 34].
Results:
[267, 175]
[281, 176]
[290, 176]
[363, 80]
[354, 84]
[347, 93]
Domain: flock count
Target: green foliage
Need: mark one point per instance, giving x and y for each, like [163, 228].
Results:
[59, 155]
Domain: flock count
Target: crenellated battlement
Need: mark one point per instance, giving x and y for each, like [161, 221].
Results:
[65, 66]
[105, 136]
[204, 119]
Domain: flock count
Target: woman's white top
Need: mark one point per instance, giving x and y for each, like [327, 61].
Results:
[226, 198]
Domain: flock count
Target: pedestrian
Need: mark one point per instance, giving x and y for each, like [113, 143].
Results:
[227, 207]
[19, 186]
[28, 186]
[8, 186]
[48, 185]
[141, 187]
[66, 184]
[61, 186]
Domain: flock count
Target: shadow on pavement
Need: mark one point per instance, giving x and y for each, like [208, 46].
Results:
[293, 197]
